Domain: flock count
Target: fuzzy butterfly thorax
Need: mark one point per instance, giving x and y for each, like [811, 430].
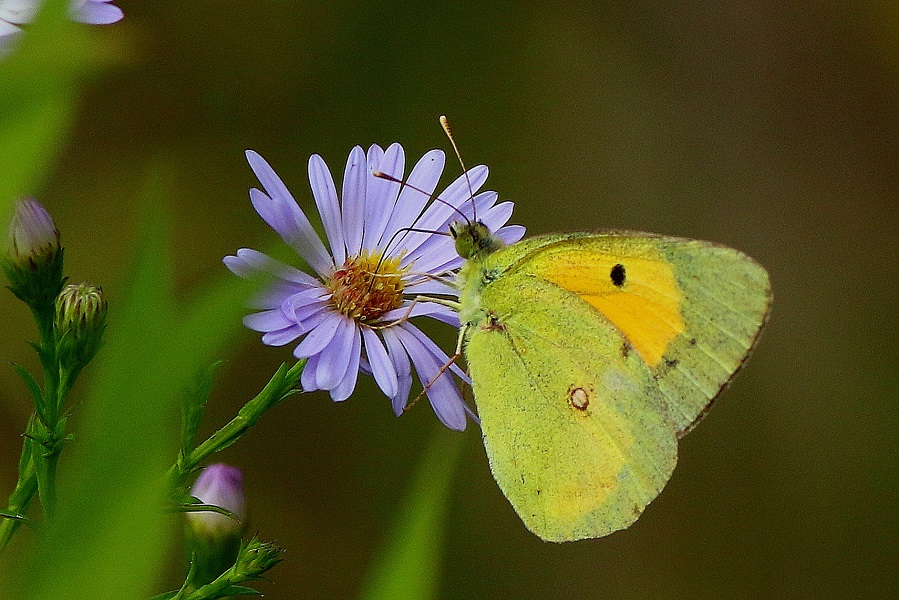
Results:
[474, 242]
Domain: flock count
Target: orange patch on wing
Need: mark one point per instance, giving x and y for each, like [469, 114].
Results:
[645, 308]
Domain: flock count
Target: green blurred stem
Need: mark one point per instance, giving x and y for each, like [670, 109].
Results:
[54, 397]
[21, 497]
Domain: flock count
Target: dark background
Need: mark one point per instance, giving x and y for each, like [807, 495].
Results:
[771, 127]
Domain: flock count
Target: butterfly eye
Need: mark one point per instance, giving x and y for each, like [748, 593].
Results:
[617, 275]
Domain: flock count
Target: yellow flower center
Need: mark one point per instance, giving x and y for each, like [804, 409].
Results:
[367, 286]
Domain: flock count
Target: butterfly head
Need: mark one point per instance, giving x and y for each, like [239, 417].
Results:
[473, 239]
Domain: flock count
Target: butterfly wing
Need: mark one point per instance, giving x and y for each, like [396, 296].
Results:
[577, 435]
[692, 310]
[646, 329]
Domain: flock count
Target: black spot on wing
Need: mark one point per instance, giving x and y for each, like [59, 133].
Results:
[617, 274]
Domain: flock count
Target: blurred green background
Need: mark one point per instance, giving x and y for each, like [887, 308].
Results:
[771, 127]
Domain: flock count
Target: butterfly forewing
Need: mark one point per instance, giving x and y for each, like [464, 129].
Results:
[691, 310]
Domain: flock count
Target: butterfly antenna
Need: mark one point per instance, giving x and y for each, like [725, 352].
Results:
[382, 175]
[444, 122]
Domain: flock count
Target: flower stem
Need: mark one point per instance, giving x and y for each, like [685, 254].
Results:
[21, 497]
[280, 386]
[46, 455]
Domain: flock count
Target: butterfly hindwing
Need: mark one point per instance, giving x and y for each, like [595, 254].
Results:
[577, 437]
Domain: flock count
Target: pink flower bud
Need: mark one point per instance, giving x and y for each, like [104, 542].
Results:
[33, 236]
[219, 485]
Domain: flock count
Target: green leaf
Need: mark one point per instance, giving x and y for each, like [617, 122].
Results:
[409, 559]
[239, 590]
[34, 389]
[109, 539]
[279, 388]
[193, 406]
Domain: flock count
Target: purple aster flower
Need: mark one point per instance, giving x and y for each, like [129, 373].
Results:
[95, 12]
[20, 12]
[353, 313]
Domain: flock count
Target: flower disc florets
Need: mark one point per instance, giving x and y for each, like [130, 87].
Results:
[368, 286]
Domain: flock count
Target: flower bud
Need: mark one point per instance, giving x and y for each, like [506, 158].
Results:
[256, 557]
[220, 485]
[33, 262]
[79, 324]
[32, 232]
[214, 539]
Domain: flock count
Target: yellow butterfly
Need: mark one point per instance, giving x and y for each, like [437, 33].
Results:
[590, 354]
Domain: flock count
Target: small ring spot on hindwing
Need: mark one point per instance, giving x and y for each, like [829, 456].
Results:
[578, 398]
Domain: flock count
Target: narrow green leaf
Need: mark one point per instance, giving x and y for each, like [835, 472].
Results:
[408, 564]
[193, 406]
[108, 539]
[34, 389]
[239, 590]
[279, 387]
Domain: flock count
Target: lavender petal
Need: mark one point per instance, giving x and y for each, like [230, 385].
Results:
[250, 263]
[319, 337]
[381, 194]
[401, 365]
[280, 206]
[355, 179]
[424, 176]
[268, 320]
[344, 389]
[307, 379]
[442, 392]
[381, 367]
[325, 195]
[282, 337]
[98, 13]
[336, 355]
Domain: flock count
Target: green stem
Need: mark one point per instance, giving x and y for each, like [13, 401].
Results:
[21, 497]
[276, 390]
[46, 457]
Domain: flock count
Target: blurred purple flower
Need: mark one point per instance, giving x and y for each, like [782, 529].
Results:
[353, 314]
[21, 12]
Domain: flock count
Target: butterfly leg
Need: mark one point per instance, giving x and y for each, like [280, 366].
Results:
[443, 369]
